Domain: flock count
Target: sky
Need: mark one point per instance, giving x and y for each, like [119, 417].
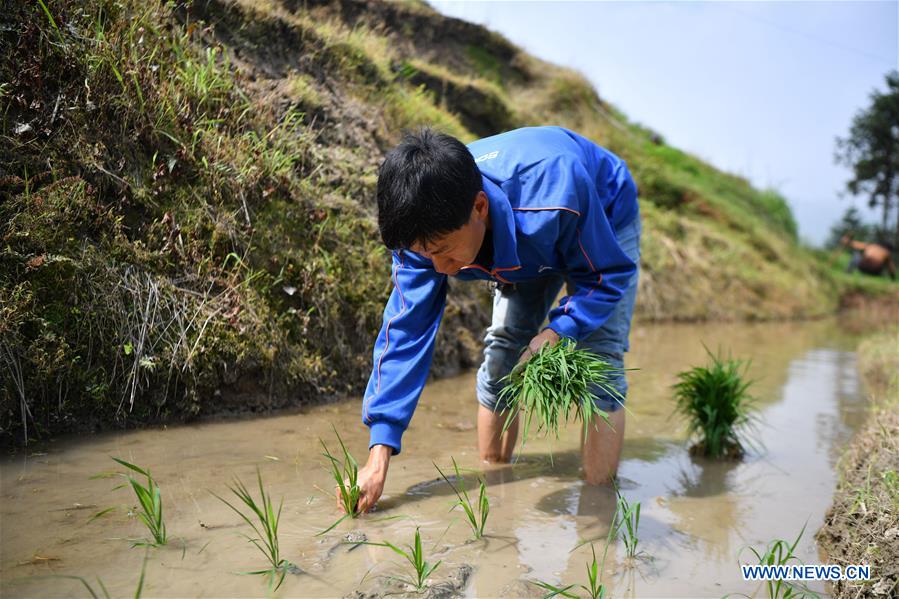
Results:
[760, 89]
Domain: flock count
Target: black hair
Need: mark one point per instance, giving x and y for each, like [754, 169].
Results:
[426, 188]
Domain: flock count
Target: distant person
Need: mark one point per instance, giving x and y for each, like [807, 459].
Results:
[525, 209]
[869, 258]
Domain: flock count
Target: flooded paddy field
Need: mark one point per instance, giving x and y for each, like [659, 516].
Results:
[697, 515]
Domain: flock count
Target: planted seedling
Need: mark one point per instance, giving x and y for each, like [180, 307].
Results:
[416, 558]
[346, 475]
[715, 401]
[555, 385]
[102, 587]
[266, 529]
[779, 553]
[476, 515]
[627, 520]
[596, 590]
[150, 501]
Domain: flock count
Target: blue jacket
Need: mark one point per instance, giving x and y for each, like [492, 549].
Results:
[555, 200]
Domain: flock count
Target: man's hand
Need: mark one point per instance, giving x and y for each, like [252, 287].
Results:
[371, 478]
[542, 338]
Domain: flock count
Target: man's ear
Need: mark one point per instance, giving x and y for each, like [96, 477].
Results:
[481, 205]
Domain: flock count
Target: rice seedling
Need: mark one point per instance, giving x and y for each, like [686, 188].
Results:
[416, 558]
[346, 475]
[476, 515]
[554, 385]
[150, 501]
[779, 553]
[596, 590]
[266, 530]
[627, 518]
[715, 401]
[102, 587]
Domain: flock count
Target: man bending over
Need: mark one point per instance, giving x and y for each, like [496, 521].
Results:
[527, 209]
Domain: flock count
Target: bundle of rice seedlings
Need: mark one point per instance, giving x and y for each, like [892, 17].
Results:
[716, 403]
[555, 385]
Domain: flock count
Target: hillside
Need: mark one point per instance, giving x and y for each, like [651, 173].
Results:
[188, 224]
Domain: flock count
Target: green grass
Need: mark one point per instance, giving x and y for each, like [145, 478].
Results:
[553, 386]
[716, 403]
[150, 500]
[476, 515]
[266, 529]
[346, 475]
[421, 568]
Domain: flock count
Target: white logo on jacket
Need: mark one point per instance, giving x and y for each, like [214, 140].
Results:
[487, 156]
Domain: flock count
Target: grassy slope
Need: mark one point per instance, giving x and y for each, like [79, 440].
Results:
[187, 225]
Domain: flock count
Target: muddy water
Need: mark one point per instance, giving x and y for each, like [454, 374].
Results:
[696, 515]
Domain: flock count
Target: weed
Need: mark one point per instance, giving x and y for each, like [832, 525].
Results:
[476, 519]
[715, 401]
[267, 529]
[150, 502]
[863, 493]
[890, 480]
[346, 475]
[554, 385]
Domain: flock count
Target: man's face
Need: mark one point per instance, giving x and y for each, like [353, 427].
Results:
[453, 250]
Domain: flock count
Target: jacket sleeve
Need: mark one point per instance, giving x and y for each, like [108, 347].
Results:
[595, 262]
[404, 348]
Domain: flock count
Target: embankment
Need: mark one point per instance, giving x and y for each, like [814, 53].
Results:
[862, 526]
[187, 219]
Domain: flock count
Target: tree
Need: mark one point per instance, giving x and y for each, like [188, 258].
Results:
[872, 152]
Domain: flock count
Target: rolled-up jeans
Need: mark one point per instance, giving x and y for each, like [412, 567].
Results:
[519, 310]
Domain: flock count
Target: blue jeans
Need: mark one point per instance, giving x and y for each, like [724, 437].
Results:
[520, 310]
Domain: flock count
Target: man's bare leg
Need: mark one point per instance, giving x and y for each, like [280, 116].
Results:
[494, 446]
[602, 449]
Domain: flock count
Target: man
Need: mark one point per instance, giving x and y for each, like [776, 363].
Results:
[523, 209]
[869, 258]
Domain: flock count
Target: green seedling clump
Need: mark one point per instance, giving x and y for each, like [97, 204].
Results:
[150, 504]
[715, 401]
[554, 386]
[476, 515]
[346, 475]
[266, 530]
